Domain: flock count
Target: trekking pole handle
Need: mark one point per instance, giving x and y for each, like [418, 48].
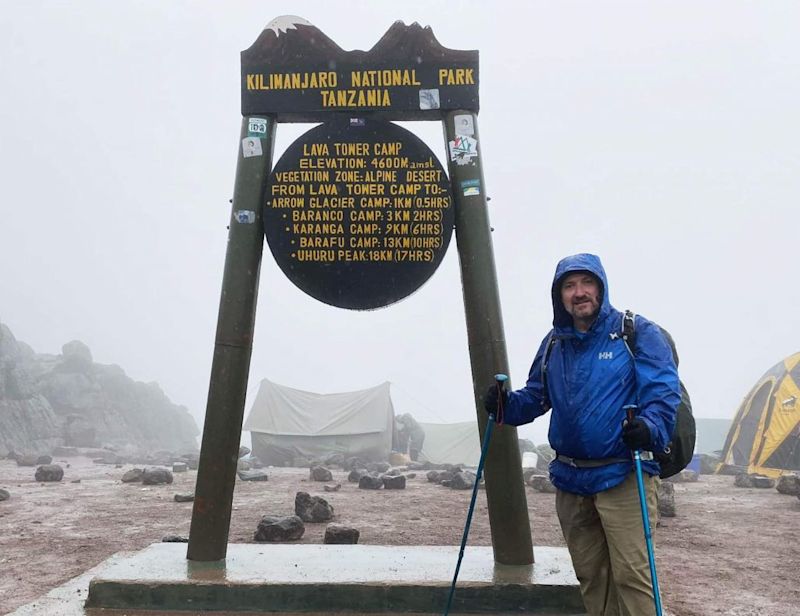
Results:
[630, 411]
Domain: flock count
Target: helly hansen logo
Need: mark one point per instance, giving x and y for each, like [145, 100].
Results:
[606, 355]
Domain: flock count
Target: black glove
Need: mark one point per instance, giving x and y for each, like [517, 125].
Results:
[636, 434]
[493, 398]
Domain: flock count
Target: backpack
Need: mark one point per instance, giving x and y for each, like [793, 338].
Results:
[680, 448]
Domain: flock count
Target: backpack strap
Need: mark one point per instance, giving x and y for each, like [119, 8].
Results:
[628, 332]
[551, 341]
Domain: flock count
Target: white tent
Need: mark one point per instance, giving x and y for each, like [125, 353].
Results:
[453, 443]
[288, 424]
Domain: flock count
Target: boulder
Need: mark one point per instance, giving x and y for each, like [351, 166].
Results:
[243, 451]
[338, 534]
[465, 480]
[312, 508]
[709, 463]
[394, 472]
[273, 529]
[174, 539]
[320, 473]
[41, 460]
[187, 497]
[156, 476]
[354, 463]
[759, 481]
[4, 495]
[394, 482]
[133, 475]
[743, 480]
[542, 483]
[252, 475]
[356, 474]
[179, 467]
[49, 472]
[370, 482]
[378, 467]
[789, 484]
[27, 459]
[333, 488]
[666, 499]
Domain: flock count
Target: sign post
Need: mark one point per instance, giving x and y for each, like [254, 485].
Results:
[358, 213]
[222, 431]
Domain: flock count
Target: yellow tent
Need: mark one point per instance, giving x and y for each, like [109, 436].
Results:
[765, 435]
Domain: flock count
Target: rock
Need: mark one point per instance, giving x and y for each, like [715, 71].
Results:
[337, 534]
[335, 488]
[743, 480]
[356, 474]
[354, 463]
[271, 528]
[27, 460]
[133, 475]
[410, 475]
[441, 476]
[320, 473]
[41, 460]
[370, 482]
[393, 472]
[243, 451]
[666, 499]
[709, 463]
[465, 480]
[378, 467]
[530, 472]
[394, 482]
[759, 481]
[243, 465]
[179, 467]
[66, 400]
[184, 498]
[252, 475]
[312, 508]
[49, 472]
[174, 539]
[789, 484]
[542, 483]
[156, 476]
[4, 495]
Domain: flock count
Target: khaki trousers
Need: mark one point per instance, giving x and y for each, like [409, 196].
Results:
[605, 538]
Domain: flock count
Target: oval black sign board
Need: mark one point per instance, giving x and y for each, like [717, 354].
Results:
[359, 213]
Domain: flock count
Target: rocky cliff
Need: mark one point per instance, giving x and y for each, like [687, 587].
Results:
[67, 399]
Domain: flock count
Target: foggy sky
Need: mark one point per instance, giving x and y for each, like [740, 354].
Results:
[662, 136]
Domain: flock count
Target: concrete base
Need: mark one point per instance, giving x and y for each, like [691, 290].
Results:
[331, 578]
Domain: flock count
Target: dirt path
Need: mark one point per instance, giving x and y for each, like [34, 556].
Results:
[730, 551]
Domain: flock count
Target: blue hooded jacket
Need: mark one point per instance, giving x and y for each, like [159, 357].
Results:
[590, 378]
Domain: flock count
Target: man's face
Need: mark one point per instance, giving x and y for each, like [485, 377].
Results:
[580, 294]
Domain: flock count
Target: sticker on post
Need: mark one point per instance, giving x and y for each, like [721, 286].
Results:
[429, 99]
[257, 127]
[245, 217]
[464, 125]
[471, 188]
[464, 150]
[251, 146]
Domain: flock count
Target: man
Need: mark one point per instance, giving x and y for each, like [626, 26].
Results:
[410, 435]
[588, 378]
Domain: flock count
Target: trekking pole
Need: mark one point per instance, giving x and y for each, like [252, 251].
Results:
[500, 380]
[648, 537]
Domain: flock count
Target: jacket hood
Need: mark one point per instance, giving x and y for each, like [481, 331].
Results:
[583, 262]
